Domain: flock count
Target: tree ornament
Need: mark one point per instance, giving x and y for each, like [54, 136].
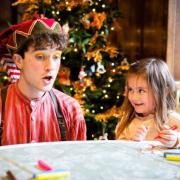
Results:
[82, 74]
[124, 64]
[100, 68]
[64, 75]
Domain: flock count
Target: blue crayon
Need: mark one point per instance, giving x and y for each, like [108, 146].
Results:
[171, 154]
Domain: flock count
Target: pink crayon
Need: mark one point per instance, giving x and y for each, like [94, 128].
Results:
[44, 166]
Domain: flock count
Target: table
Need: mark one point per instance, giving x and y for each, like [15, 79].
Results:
[92, 160]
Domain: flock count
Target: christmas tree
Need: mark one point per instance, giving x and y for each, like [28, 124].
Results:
[92, 68]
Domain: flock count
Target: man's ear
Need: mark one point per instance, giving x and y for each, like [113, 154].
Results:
[18, 60]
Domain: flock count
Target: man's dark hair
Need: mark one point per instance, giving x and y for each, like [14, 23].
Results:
[43, 40]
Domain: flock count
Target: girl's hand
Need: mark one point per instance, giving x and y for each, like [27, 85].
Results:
[140, 133]
[168, 137]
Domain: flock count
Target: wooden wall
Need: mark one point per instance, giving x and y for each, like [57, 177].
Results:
[143, 29]
[173, 44]
[8, 14]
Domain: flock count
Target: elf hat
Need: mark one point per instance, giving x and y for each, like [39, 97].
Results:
[12, 38]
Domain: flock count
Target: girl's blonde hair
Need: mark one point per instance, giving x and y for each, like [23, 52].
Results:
[162, 84]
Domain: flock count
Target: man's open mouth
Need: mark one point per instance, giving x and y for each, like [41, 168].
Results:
[48, 78]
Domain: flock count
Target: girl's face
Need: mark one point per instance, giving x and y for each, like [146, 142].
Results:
[140, 95]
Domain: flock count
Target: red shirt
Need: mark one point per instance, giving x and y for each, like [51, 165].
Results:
[27, 121]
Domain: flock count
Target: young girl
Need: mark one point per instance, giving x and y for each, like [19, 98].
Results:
[146, 110]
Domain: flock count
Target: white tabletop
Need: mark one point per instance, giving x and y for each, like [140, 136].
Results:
[91, 160]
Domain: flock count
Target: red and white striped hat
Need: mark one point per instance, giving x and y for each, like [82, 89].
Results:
[12, 37]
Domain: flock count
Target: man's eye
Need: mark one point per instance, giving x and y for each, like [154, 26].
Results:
[39, 56]
[56, 57]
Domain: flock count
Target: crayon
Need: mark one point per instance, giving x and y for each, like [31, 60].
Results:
[172, 158]
[44, 166]
[10, 175]
[173, 127]
[56, 174]
[171, 154]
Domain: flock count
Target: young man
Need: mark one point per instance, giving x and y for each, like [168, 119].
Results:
[31, 107]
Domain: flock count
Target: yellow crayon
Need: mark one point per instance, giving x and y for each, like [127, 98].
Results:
[54, 175]
[172, 158]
